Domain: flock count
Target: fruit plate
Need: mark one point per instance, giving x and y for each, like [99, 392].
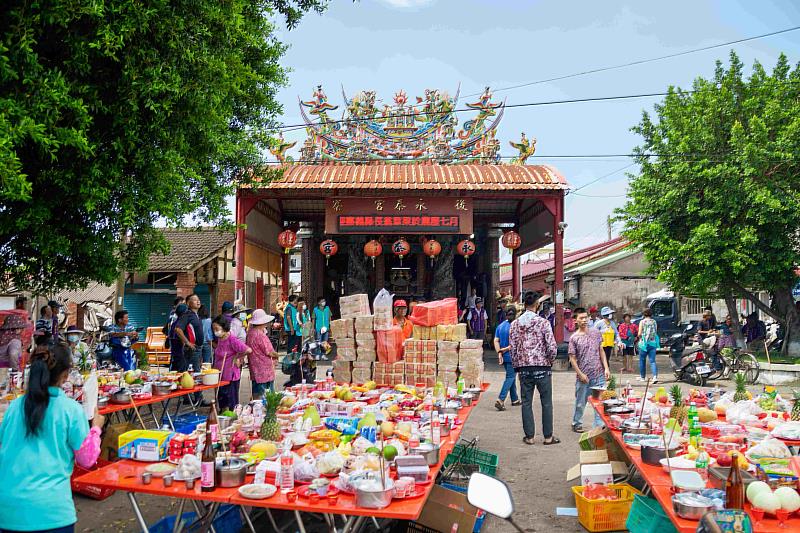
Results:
[415, 494]
[160, 469]
[257, 492]
[333, 490]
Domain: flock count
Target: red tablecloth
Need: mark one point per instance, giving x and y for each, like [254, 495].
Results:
[125, 475]
[660, 485]
[115, 407]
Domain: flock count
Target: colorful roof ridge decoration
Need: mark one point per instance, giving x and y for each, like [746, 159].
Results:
[420, 177]
[401, 131]
[533, 268]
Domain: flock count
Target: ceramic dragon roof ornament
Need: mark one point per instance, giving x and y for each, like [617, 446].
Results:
[401, 131]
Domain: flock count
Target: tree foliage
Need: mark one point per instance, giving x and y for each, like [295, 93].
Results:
[716, 205]
[117, 114]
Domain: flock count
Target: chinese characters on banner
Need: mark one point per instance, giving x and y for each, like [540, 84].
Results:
[391, 214]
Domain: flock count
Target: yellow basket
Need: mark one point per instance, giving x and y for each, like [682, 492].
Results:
[604, 515]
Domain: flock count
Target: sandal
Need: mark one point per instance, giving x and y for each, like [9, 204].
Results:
[553, 440]
[517, 403]
[528, 440]
[500, 406]
[577, 429]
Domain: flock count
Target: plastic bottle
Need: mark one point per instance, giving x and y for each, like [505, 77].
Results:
[694, 422]
[436, 430]
[460, 386]
[303, 390]
[413, 443]
[286, 478]
[261, 473]
[701, 463]
[628, 390]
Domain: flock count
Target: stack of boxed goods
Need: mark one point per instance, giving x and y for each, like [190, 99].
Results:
[342, 329]
[451, 332]
[447, 362]
[435, 313]
[470, 361]
[342, 371]
[346, 349]
[389, 373]
[365, 339]
[382, 305]
[424, 333]
[420, 359]
[389, 345]
[353, 306]
[362, 371]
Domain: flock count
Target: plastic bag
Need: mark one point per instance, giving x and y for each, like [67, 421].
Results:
[382, 306]
[769, 447]
[389, 345]
[435, 313]
[743, 412]
[330, 463]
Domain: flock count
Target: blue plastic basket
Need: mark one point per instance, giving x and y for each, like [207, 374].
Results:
[228, 521]
[185, 423]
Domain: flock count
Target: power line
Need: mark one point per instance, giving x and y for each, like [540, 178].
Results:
[604, 176]
[642, 61]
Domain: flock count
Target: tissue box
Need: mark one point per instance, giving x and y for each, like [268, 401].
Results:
[144, 445]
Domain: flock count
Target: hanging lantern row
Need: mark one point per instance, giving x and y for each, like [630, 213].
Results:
[511, 240]
[465, 248]
[328, 247]
[287, 239]
[432, 248]
[372, 250]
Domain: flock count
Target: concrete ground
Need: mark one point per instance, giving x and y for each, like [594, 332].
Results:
[536, 474]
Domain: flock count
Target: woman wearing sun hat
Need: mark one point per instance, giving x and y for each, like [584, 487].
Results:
[262, 367]
[11, 341]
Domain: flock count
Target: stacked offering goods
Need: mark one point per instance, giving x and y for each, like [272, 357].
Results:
[365, 339]
[470, 361]
[362, 371]
[389, 344]
[447, 361]
[354, 306]
[420, 360]
[342, 329]
[346, 349]
[342, 371]
[451, 332]
[389, 373]
[383, 311]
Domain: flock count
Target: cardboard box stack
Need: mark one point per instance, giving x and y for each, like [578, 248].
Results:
[353, 306]
[342, 329]
[365, 339]
[470, 361]
[420, 359]
[346, 349]
[342, 371]
[451, 332]
[389, 373]
[362, 371]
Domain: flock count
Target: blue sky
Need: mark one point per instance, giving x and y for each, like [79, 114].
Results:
[387, 45]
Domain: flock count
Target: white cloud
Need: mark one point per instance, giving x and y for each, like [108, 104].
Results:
[407, 4]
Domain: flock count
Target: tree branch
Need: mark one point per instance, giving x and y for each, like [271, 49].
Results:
[764, 308]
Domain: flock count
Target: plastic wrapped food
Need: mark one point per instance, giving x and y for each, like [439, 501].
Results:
[188, 467]
[330, 463]
[305, 471]
[743, 412]
[768, 448]
[789, 431]
[342, 328]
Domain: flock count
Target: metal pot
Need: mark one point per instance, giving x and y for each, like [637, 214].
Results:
[689, 512]
[231, 472]
[612, 403]
[597, 391]
[102, 401]
[375, 499]
[161, 388]
[224, 422]
[444, 428]
[466, 399]
[122, 396]
[475, 391]
[448, 410]
[430, 452]
[652, 455]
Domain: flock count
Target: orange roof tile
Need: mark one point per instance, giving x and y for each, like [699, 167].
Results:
[421, 177]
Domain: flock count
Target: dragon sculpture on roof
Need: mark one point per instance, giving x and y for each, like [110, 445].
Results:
[400, 131]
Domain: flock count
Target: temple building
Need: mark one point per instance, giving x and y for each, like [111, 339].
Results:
[404, 196]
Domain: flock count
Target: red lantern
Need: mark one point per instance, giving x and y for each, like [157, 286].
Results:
[287, 239]
[511, 240]
[328, 248]
[432, 248]
[373, 249]
[465, 248]
[400, 248]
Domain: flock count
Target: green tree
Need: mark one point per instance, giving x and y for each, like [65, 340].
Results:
[715, 207]
[115, 115]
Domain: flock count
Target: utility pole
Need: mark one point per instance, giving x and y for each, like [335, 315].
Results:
[608, 225]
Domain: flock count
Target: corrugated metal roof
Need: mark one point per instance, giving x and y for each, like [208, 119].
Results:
[420, 177]
[94, 292]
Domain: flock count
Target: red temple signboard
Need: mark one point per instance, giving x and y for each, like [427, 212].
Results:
[399, 215]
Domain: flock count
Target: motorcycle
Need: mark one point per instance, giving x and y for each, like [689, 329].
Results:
[493, 496]
[689, 363]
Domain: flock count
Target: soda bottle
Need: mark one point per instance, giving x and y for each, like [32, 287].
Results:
[694, 422]
[436, 430]
[701, 463]
[207, 464]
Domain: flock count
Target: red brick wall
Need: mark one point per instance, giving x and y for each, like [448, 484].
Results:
[185, 283]
[225, 291]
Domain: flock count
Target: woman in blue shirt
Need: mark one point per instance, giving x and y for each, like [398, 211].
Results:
[503, 349]
[40, 436]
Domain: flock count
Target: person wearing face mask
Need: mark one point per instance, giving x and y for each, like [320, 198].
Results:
[322, 325]
[81, 354]
[304, 319]
[238, 318]
[229, 355]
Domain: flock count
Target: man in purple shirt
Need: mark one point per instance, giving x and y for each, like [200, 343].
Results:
[588, 358]
[533, 350]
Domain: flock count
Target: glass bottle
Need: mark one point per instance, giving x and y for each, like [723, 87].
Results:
[734, 486]
[207, 465]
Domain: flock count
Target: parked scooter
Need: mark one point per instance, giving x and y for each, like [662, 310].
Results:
[493, 496]
[689, 363]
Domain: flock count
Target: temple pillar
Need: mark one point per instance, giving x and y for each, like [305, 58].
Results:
[493, 265]
[558, 269]
[422, 260]
[515, 275]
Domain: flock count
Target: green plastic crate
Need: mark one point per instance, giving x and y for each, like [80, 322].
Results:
[647, 516]
[487, 462]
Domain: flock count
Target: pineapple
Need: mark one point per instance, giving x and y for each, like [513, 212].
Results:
[678, 410]
[611, 389]
[741, 390]
[271, 429]
[796, 408]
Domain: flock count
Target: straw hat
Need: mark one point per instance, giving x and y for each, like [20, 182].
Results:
[260, 317]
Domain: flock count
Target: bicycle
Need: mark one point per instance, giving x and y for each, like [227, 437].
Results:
[735, 361]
